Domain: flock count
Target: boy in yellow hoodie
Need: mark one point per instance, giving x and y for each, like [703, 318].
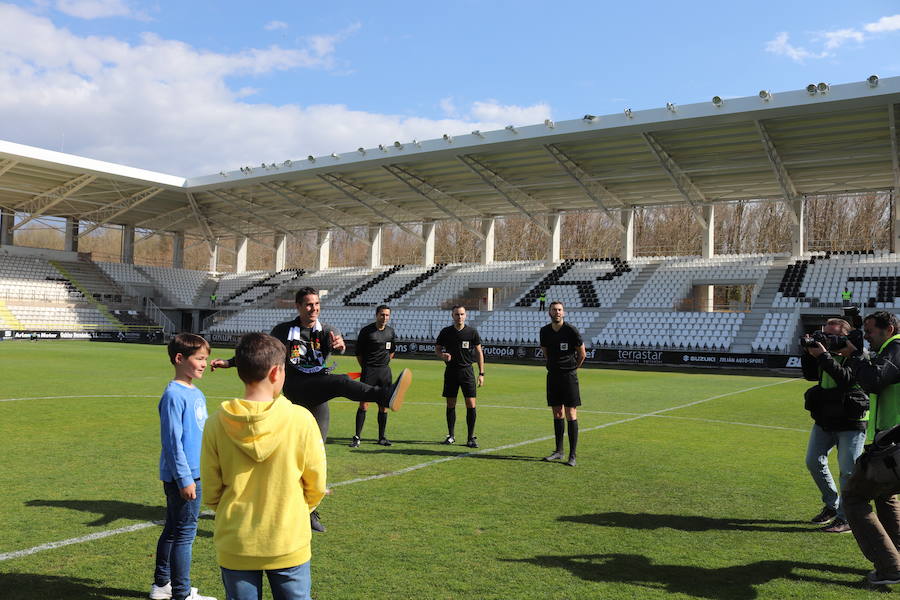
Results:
[263, 469]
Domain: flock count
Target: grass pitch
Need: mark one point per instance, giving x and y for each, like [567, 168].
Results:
[687, 486]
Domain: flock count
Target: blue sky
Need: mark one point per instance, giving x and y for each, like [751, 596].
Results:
[194, 87]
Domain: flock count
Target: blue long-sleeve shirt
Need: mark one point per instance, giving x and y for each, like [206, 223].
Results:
[182, 414]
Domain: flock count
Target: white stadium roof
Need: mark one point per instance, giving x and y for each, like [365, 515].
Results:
[819, 140]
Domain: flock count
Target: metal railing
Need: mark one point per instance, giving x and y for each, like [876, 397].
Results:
[153, 312]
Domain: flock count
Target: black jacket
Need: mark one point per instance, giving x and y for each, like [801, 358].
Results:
[838, 409]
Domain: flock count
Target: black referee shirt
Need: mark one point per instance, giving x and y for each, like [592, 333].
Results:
[459, 344]
[562, 347]
[375, 346]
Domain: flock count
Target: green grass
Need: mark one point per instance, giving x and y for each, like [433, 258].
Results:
[705, 501]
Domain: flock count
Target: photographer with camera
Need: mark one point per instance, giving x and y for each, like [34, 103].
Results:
[838, 407]
[877, 532]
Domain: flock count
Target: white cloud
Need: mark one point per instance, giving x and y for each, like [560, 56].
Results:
[448, 107]
[781, 46]
[166, 105]
[275, 25]
[836, 39]
[884, 25]
[93, 9]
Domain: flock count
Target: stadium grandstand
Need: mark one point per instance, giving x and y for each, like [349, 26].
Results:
[631, 308]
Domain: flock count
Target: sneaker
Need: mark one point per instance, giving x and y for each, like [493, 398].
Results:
[839, 525]
[471, 443]
[354, 443]
[314, 522]
[876, 578]
[161, 592]
[449, 440]
[398, 390]
[384, 442]
[555, 456]
[825, 516]
[571, 461]
[195, 595]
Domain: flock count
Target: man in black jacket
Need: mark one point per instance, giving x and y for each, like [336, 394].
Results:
[838, 407]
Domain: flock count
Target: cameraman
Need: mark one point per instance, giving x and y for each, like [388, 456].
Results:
[838, 407]
[877, 532]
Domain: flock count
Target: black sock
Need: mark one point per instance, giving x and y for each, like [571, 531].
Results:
[382, 423]
[559, 430]
[470, 421]
[573, 437]
[451, 420]
[360, 421]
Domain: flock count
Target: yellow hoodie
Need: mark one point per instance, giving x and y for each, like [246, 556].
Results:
[262, 465]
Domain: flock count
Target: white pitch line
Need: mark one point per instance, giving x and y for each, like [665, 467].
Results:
[139, 526]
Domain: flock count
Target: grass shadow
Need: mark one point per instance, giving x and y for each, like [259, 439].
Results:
[686, 523]
[27, 586]
[727, 583]
[113, 510]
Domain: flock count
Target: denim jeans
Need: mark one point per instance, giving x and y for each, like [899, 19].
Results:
[292, 583]
[849, 445]
[173, 551]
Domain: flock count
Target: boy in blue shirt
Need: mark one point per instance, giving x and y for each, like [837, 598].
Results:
[182, 414]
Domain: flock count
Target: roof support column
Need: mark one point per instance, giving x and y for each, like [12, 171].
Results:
[126, 256]
[709, 231]
[178, 250]
[7, 235]
[895, 163]
[798, 229]
[375, 239]
[214, 256]
[554, 224]
[428, 236]
[487, 242]
[323, 249]
[627, 217]
[280, 251]
[895, 221]
[71, 243]
[240, 262]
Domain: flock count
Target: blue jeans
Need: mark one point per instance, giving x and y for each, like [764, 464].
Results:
[173, 550]
[292, 583]
[849, 445]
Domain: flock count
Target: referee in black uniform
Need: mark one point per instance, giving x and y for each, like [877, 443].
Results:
[374, 351]
[564, 350]
[459, 346]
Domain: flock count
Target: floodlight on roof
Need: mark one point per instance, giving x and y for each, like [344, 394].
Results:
[263, 165]
[671, 107]
[811, 89]
[549, 124]
[589, 118]
[511, 129]
[382, 148]
[765, 95]
[448, 138]
[335, 156]
[872, 81]
[223, 174]
[398, 145]
[361, 150]
[628, 113]
[288, 163]
[273, 166]
[311, 158]
[416, 143]
[475, 133]
[717, 101]
[822, 87]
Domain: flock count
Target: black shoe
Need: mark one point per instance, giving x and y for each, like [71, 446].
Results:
[354, 443]
[314, 522]
[471, 443]
[825, 516]
[384, 442]
[449, 440]
[571, 461]
[555, 456]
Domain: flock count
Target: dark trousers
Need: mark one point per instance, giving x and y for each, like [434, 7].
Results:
[877, 532]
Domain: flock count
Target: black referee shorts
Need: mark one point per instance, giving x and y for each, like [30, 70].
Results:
[562, 389]
[377, 376]
[459, 379]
